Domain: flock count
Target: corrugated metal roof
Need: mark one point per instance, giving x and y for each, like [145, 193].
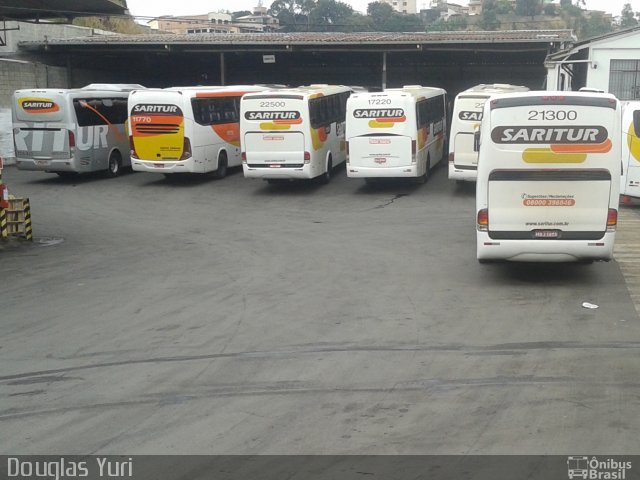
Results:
[40, 9]
[322, 38]
[590, 41]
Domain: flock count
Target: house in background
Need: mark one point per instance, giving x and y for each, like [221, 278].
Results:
[610, 62]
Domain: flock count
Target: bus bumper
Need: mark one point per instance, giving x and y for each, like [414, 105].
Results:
[64, 165]
[278, 173]
[468, 174]
[161, 167]
[407, 171]
[544, 250]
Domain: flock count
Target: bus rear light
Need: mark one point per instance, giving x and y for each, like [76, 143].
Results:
[346, 151]
[186, 149]
[483, 220]
[244, 157]
[72, 140]
[413, 151]
[307, 157]
[612, 219]
[451, 156]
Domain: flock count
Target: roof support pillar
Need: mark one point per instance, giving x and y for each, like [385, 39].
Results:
[69, 72]
[222, 72]
[384, 70]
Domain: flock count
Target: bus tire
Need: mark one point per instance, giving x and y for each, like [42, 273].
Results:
[115, 164]
[326, 176]
[221, 172]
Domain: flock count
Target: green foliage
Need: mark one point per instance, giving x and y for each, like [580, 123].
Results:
[503, 7]
[293, 15]
[241, 13]
[628, 17]
[489, 19]
[528, 8]
[329, 16]
[125, 24]
[454, 23]
[597, 24]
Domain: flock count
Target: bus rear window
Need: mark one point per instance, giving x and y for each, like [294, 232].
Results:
[106, 111]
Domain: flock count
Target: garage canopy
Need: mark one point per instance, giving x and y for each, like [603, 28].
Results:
[42, 9]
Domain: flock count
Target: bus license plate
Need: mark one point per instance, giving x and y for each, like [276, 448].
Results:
[546, 234]
[42, 163]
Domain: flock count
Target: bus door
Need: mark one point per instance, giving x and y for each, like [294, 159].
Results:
[469, 116]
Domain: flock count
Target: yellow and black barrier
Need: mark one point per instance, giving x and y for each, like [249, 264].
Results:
[17, 219]
[4, 229]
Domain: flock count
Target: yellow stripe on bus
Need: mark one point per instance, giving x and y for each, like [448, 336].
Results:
[545, 155]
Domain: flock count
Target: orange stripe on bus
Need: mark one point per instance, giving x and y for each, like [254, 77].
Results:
[603, 147]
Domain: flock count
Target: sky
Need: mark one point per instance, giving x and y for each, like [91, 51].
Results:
[156, 8]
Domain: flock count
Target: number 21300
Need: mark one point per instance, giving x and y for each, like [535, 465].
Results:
[553, 115]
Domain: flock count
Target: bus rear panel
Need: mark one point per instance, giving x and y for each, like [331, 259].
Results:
[548, 177]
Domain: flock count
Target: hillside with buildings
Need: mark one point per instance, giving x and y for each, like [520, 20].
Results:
[401, 16]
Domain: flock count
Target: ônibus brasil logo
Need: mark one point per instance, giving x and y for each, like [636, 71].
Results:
[595, 468]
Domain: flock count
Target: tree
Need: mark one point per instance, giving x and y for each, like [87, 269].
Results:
[293, 15]
[385, 19]
[596, 24]
[379, 13]
[125, 24]
[453, 23]
[527, 8]
[628, 17]
[504, 7]
[489, 19]
[241, 13]
[329, 14]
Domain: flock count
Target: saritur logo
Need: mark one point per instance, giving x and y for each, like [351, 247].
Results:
[596, 469]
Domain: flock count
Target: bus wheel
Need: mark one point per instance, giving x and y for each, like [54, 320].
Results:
[221, 172]
[326, 176]
[115, 164]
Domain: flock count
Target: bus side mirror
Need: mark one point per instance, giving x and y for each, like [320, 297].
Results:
[636, 122]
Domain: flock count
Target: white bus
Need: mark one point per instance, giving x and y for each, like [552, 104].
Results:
[295, 133]
[548, 177]
[399, 132]
[630, 141]
[186, 129]
[70, 131]
[465, 120]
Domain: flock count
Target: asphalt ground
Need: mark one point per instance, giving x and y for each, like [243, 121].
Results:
[233, 317]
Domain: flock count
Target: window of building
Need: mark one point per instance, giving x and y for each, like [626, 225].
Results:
[624, 79]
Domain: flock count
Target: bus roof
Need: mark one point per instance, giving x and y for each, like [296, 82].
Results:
[487, 89]
[92, 90]
[407, 90]
[546, 97]
[306, 91]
